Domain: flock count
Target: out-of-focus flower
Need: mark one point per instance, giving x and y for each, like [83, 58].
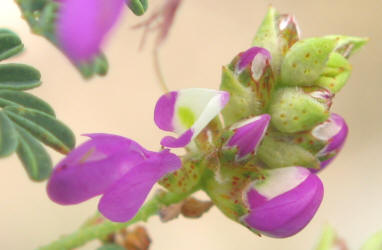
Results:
[82, 26]
[113, 166]
[284, 202]
[187, 112]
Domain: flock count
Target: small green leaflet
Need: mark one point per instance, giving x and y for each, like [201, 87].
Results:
[26, 121]
[10, 44]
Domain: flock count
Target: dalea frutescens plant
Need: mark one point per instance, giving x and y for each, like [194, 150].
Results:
[254, 146]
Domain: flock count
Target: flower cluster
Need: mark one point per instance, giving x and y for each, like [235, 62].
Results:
[254, 147]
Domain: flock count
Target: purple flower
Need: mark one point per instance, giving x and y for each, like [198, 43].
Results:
[82, 26]
[117, 168]
[333, 131]
[248, 135]
[284, 203]
[187, 112]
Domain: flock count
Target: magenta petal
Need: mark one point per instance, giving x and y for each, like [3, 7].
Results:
[123, 200]
[93, 167]
[179, 142]
[288, 213]
[164, 111]
[338, 140]
[83, 24]
[248, 136]
[74, 184]
[247, 57]
[334, 131]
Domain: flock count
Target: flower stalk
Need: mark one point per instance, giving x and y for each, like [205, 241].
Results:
[88, 233]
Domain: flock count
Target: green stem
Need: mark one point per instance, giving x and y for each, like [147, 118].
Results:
[158, 71]
[86, 234]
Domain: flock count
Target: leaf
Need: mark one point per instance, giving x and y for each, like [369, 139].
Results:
[17, 98]
[138, 7]
[10, 44]
[8, 136]
[111, 247]
[34, 157]
[19, 77]
[44, 127]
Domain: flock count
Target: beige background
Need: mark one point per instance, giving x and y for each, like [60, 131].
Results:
[207, 34]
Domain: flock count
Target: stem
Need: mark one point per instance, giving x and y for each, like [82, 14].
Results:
[158, 71]
[86, 234]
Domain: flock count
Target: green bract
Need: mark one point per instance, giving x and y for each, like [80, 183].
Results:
[305, 61]
[26, 120]
[292, 110]
[242, 102]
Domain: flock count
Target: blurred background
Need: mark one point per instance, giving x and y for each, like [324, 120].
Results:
[206, 35]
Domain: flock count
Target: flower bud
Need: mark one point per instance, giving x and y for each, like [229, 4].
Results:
[277, 33]
[250, 81]
[247, 136]
[334, 132]
[284, 202]
[321, 95]
[292, 110]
